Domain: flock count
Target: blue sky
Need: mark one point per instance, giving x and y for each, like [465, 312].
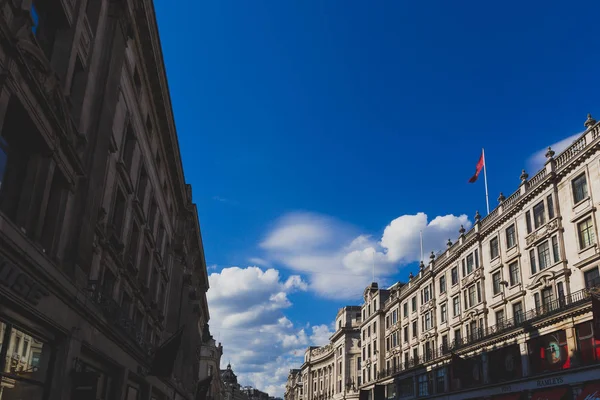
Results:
[320, 136]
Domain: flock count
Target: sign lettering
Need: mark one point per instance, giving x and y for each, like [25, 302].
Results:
[21, 284]
[550, 382]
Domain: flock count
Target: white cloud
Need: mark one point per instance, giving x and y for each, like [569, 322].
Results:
[538, 159]
[339, 261]
[247, 315]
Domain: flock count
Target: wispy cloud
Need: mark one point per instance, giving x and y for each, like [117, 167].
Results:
[334, 255]
[225, 200]
[538, 159]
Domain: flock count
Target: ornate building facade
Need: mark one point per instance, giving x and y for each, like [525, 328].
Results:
[233, 390]
[101, 257]
[505, 311]
[332, 371]
[294, 389]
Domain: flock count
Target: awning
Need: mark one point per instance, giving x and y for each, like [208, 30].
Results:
[592, 390]
[550, 394]
[509, 396]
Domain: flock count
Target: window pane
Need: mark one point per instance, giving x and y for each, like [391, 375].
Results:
[539, 217]
[13, 389]
[544, 255]
[33, 364]
[579, 188]
[587, 236]
[555, 251]
[550, 207]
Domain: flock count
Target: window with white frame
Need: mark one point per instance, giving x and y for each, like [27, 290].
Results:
[580, 190]
[513, 269]
[511, 237]
[585, 230]
[494, 248]
[455, 306]
[443, 284]
[443, 312]
[496, 278]
[539, 214]
[543, 252]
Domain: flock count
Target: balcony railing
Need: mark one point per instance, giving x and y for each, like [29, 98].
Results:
[116, 316]
[523, 320]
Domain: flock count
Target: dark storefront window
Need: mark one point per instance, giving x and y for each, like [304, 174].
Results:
[440, 380]
[589, 349]
[23, 364]
[92, 381]
[390, 391]
[425, 384]
[506, 364]
[549, 352]
[406, 387]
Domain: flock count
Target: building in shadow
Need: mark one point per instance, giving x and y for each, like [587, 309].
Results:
[233, 390]
[101, 255]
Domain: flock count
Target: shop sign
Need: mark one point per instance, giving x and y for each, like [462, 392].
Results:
[20, 283]
[550, 381]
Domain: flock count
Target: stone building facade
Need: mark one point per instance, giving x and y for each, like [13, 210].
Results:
[101, 256]
[294, 389]
[505, 311]
[233, 390]
[332, 371]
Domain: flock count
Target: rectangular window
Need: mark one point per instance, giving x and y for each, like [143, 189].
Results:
[494, 250]
[24, 370]
[518, 312]
[414, 329]
[443, 312]
[514, 273]
[414, 304]
[511, 239]
[528, 221]
[555, 250]
[119, 214]
[580, 190]
[532, 261]
[496, 282]
[543, 251]
[470, 263]
[128, 147]
[443, 284]
[405, 309]
[428, 322]
[426, 296]
[405, 334]
[471, 291]
[455, 306]
[499, 317]
[592, 278]
[587, 237]
[454, 276]
[550, 202]
[539, 214]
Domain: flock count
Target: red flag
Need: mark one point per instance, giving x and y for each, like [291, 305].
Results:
[478, 169]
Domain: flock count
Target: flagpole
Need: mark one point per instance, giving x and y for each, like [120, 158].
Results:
[421, 234]
[487, 197]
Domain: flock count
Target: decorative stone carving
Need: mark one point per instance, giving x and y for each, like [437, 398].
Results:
[472, 277]
[524, 176]
[542, 232]
[501, 198]
[550, 153]
[589, 122]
